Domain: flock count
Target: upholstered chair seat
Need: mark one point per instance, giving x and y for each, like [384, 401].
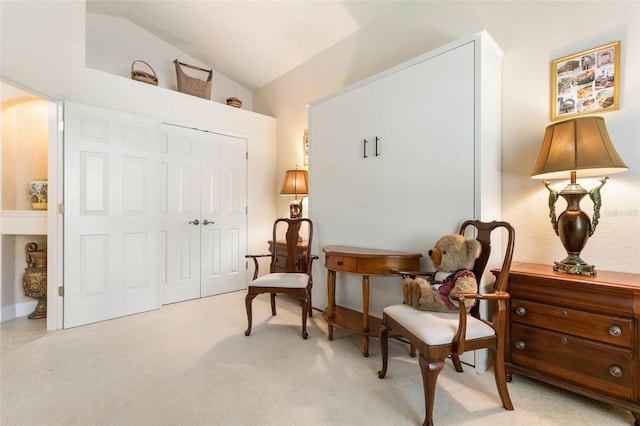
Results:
[436, 328]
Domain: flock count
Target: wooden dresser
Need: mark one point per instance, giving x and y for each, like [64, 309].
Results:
[299, 254]
[580, 333]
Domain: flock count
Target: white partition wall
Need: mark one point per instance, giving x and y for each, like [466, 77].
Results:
[404, 157]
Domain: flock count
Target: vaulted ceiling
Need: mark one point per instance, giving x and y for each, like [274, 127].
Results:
[251, 42]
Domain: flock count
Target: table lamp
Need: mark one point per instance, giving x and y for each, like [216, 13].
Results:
[295, 183]
[580, 147]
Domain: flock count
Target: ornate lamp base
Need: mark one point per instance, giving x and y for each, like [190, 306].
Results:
[573, 226]
[573, 265]
[295, 208]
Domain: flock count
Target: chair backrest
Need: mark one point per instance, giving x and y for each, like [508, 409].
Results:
[292, 238]
[483, 231]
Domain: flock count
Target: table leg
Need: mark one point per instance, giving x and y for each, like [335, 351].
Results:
[331, 287]
[365, 315]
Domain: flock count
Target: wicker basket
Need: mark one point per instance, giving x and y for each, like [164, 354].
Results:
[191, 85]
[144, 76]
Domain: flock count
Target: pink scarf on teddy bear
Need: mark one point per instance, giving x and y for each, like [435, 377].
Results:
[445, 286]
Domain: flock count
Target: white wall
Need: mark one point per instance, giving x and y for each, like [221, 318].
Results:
[43, 50]
[531, 34]
[113, 44]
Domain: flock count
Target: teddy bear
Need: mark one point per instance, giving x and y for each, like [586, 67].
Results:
[453, 257]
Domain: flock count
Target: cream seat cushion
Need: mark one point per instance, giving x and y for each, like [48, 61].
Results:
[436, 328]
[281, 279]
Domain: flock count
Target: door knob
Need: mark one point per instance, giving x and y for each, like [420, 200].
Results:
[195, 222]
[206, 222]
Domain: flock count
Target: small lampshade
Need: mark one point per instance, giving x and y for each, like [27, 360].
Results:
[581, 145]
[295, 183]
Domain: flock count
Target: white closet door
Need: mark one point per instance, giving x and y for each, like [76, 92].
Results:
[180, 208]
[341, 191]
[204, 180]
[425, 170]
[110, 219]
[224, 214]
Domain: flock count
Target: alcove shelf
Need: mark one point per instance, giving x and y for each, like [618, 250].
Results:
[23, 222]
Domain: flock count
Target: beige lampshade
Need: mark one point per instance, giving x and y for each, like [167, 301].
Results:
[295, 183]
[581, 145]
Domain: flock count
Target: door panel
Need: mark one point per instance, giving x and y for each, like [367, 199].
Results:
[179, 260]
[224, 194]
[110, 238]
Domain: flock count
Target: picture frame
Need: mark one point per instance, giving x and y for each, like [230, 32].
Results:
[586, 82]
[305, 147]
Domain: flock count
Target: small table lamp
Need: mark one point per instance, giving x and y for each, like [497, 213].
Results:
[295, 183]
[576, 148]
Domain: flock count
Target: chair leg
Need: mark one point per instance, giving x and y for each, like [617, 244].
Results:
[501, 379]
[273, 304]
[247, 303]
[456, 363]
[310, 306]
[384, 349]
[430, 371]
[304, 303]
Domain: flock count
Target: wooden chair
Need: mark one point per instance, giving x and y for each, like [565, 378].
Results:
[291, 281]
[439, 335]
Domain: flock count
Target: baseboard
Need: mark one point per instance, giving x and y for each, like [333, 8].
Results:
[17, 310]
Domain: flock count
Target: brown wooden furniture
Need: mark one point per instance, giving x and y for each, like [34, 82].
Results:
[439, 335]
[299, 254]
[580, 333]
[365, 262]
[478, 270]
[290, 281]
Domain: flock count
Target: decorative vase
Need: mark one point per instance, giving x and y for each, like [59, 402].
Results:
[38, 191]
[34, 280]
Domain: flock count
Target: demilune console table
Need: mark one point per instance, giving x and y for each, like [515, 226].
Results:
[580, 333]
[365, 262]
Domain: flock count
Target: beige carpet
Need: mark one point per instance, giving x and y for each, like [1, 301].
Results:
[190, 364]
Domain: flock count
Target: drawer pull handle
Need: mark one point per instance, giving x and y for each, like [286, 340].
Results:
[520, 345]
[563, 340]
[520, 310]
[615, 331]
[615, 371]
[339, 263]
[563, 314]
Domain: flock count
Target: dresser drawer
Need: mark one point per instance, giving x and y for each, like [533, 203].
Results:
[280, 262]
[583, 293]
[603, 328]
[341, 263]
[600, 367]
